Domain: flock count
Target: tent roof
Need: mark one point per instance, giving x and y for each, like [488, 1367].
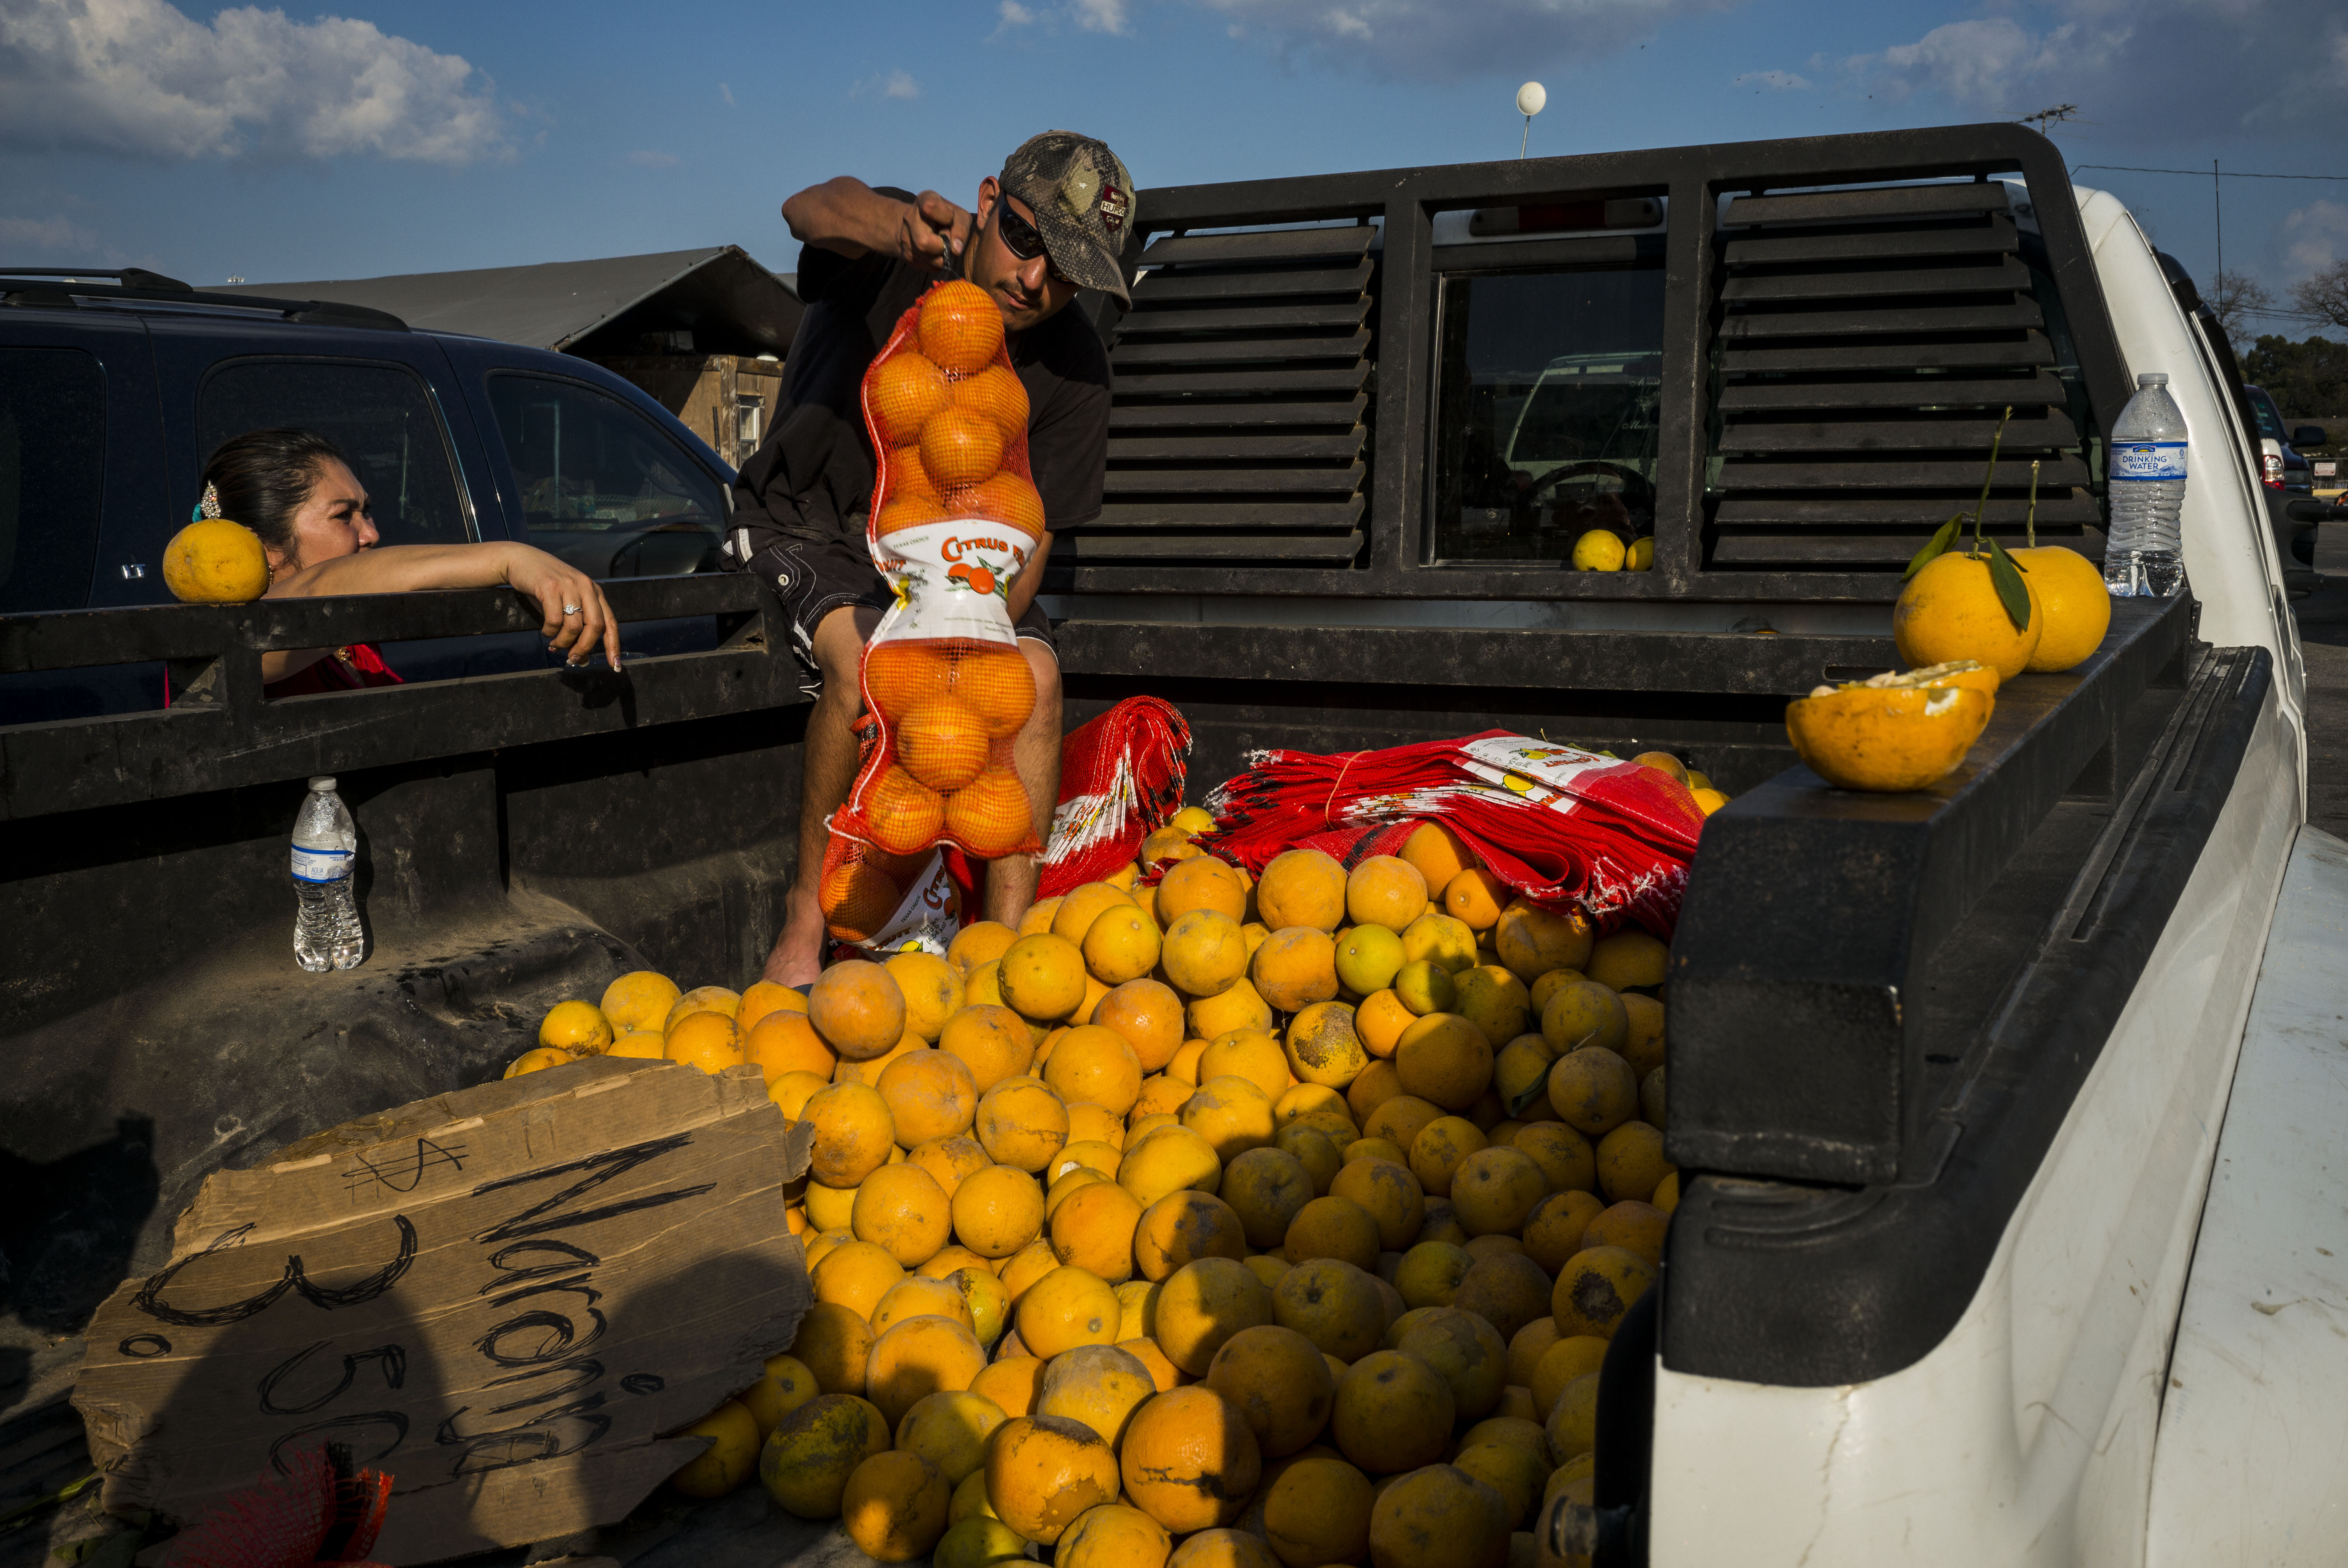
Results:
[729, 303]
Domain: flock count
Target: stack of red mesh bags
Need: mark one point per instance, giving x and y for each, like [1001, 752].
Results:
[1121, 779]
[324, 1508]
[1560, 826]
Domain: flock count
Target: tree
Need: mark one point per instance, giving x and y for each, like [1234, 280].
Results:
[2308, 381]
[2326, 294]
[2234, 300]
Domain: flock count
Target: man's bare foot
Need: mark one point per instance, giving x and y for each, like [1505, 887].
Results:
[798, 958]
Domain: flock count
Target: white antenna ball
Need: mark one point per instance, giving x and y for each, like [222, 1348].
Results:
[1532, 99]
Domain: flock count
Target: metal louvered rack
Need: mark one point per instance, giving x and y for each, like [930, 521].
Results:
[1237, 432]
[1867, 341]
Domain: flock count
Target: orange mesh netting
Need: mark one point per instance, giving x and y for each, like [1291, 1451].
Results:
[956, 519]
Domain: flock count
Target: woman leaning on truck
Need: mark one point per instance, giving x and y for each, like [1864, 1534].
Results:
[297, 490]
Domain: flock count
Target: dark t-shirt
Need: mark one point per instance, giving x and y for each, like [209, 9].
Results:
[812, 477]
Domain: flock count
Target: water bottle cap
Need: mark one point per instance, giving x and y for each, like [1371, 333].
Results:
[2153, 378]
[323, 785]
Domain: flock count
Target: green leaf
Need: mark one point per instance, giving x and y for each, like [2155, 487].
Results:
[2005, 576]
[1940, 542]
[1536, 1089]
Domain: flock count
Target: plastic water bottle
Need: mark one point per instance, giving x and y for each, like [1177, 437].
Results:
[2142, 557]
[326, 930]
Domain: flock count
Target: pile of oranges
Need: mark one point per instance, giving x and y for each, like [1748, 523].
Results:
[947, 411]
[1232, 1221]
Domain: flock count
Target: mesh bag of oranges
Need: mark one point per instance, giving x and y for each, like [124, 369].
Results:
[956, 519]
[879, 903]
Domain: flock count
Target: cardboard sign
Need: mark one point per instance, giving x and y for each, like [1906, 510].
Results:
[502, 1296]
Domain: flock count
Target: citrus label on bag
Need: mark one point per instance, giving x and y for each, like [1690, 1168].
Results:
[953, 580]
[2154, 461]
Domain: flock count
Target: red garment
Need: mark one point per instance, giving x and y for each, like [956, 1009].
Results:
[351, 669]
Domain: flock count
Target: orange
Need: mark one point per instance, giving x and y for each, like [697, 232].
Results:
[1507, 1290]
[1022, 1124]
[992, 1041]
[1445, 1058]
[903, 1211]
[1584, 1013]
[853, 1134]
[1430, 1273]
[213, 560]
[1247, 1054]
[961, 446]
[990, 815]
[997, 1211]
[1183, 1226]
[706, 1041]
[1441, 1146]
[857, 899]
[1380, 1021]
[901, 392]
[1318, 1511]
[996, 390]
[1095, 1124]
[1266, 1188]
[1167, 1160]
[1301, 888]
[1398, 1120]
[856, 1007]
[2076, 619]
[1190, 1460]
[1335, 1306]
[1080, 907]
[1043, 977]
[1240, 1007]
[1163, 1372]
[1393, 1413]
[1042, 1472]
[1885, 738]
[1294, 968]
[869, 1072]
[764, 998]
[918, 1295]
[1596, 1287]
[907, 511]
[834, 1342]
[1592, 1089]
[898, 676]
[1112, 1536]
[1532, 941]
[1121, 945]
[786, 1046]
[961, 330]
[1631, 1162]
[1095, 1066]
[1011, 1384]
[1334, 1228]
[1389, 1194]
[997, 682]
[903, 814]
[1466, 1351]
[1203, 952]
[980, 942]
[782, 1388]
[1566, 1360]
[1437, 852]
[1093, 1231]
[1385, 890]
[806, 1465]
[1440, 939]
[703, 998]
[1628, 958]
[1667, 1193]
[1440, 1514]
[1564, 1156]
[1572, 1426]
[856, 1274]
[1149, 1016]
[1100, 1385]
[1642, 1041]
[1204, 883]
[1948, 611]
[1493, 1191]
[1231, 1114]
[1494, 1000]
[1475, 899]
[949, 1430]
[1008, 498]
[732, 1454]
[639, 1000]
[942, 742]
[929, 1094]
[1202, 1303]
[1554, 1230]
[917, 1357]
[1632, 1225]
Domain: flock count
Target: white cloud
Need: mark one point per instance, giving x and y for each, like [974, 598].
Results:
[1444, 40]
[726, 93]
[641, 159]
[2314, 237]
[1015, 15]
[140, 79]
[1776, 81]
[48, 237]
[1103, 16]
[2159, 72]
[888, 85]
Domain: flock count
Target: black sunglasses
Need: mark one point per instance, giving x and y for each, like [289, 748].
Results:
[1023, 240]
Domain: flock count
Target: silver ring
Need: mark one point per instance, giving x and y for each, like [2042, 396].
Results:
[570, 609]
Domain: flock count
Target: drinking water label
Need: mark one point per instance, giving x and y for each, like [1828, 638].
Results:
[2154, 461]
[320, 864]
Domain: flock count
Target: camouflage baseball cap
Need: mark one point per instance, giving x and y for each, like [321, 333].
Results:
[1084, 205]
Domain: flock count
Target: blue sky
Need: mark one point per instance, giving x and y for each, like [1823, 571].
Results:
[392, 135]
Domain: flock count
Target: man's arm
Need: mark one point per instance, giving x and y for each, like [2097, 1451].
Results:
[848, 218]
[1030, 578]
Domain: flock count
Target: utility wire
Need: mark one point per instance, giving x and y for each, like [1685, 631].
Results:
[2197, 173]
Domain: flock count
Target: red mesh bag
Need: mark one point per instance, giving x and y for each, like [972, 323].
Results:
[1121, 778]
[324, 1509]
[956, 519]
[1557, 824]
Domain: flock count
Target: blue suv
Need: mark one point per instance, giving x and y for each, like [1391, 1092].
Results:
[115, 386]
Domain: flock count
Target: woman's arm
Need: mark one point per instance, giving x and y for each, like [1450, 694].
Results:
[548, 583]
[851, 218]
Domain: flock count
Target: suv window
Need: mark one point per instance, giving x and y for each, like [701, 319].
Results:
[52, 471]
[601, 485]
[1546, 410]
[2270, 417]
[380, 414]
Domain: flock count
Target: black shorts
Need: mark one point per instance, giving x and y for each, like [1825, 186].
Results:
[816, 577]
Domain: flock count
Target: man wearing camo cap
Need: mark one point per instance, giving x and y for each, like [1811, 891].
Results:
[1054, 221]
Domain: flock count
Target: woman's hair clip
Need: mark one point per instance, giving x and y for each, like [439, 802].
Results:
[209, 507]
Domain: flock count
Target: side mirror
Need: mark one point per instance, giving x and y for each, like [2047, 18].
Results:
[2310, 436]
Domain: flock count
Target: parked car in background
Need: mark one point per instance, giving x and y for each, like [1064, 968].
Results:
[2285, 469]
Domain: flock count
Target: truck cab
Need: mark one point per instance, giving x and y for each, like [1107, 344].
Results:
[1999, 1106]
